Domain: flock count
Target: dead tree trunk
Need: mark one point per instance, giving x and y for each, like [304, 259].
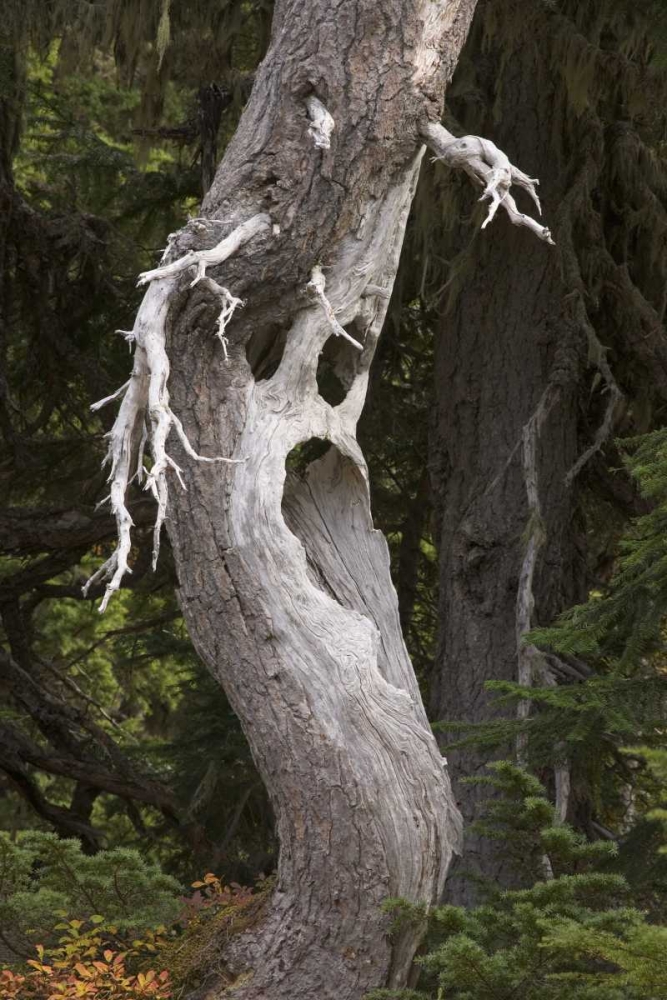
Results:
[283, 581]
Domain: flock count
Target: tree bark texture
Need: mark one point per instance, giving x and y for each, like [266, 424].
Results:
[283, 580]
[509, 357]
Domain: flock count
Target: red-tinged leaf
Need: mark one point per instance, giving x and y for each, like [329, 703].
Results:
[164, 976]
[108, 954]
[197, 885]
[83, 971]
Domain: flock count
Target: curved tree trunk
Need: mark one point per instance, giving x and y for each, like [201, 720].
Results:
[284, 583]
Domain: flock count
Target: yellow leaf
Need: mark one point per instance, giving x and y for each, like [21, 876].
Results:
[83, 971]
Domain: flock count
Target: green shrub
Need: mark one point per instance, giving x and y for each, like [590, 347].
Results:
[572, 935]
[45, 880]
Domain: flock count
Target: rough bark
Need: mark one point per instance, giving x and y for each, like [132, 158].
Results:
[508, 369]
[284, 583]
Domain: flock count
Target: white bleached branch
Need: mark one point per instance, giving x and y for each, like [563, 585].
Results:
[321, 123]
[201, 259]
[230, 303]
[128, 337]
[121, 448]
[109, 399]
[532, 664]
[316, 287]
[491, 170]
[145, 416]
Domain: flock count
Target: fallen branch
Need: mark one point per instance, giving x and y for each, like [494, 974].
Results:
[491, 170]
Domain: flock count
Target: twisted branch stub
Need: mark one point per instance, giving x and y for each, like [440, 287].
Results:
[491, 170]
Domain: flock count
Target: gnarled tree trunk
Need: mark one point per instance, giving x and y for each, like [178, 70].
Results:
[284, 582]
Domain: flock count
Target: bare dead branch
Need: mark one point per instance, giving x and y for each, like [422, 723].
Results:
[145, 415]
[491, 170]
[316, 287]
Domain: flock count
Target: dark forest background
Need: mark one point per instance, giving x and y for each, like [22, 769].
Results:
[535, 617]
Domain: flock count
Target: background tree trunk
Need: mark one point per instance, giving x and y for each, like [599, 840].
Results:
[284, 583]
[509, 342]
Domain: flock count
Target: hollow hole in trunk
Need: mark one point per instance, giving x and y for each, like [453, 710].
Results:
[337, 367]
[320, 479]
[265, 350]
[304, 454]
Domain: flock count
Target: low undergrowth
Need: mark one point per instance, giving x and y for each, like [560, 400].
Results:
[110, 926]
